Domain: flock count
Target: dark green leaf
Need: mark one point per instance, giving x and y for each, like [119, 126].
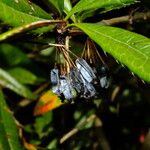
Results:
[11, 55]
[104, 5]
[9, 139]
[24, 76]
[129, 48]
[6, 80]
[42, 122]
[57, 4]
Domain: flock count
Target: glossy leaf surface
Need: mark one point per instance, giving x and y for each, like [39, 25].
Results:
[131, 49]
[104, 5]
[68, 8]
[20, 13]
[27, 7]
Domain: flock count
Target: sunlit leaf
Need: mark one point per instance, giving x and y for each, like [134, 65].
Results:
[16, 12]
[16, 16]
[48, 101]
[27, 7]
[131, 49]
[68, 8]
[104, 5]
[9, 139]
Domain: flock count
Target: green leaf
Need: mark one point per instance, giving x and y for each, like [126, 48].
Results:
[104, 5]
[129, 48]
[16, 15]
[11, 55]
[27, 7]
[9, 139]
[57, 4]
[68, 8]
[42, 124]
[6, 80]
[24, 76]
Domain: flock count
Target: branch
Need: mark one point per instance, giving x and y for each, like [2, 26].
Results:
[28, 27]
[25, 102]
[128, 18]
[76, 129]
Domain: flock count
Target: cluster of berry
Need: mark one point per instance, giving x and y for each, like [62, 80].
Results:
[82, 81]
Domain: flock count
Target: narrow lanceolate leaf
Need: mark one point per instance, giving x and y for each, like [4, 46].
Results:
[131, 49]
[17, 15]
[9, 139]
[6, 80]
[104, 5]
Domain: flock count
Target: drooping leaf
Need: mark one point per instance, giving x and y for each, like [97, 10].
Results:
[9, 135]
[27, 7]
[6, 80]
[131, 49]
[104, 5]
[48, 101]
[15, 17]
[24, 76]
[11, 55]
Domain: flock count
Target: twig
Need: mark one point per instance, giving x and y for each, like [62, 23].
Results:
[56, 45]
[115, 92]
[25, 102]
[137, 16]
[28, 27]
[76, 129]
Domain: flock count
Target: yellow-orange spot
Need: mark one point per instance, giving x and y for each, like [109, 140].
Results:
[29, 146]
[47, 102]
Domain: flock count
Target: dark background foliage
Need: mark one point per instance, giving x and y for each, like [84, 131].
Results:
[121, 116]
